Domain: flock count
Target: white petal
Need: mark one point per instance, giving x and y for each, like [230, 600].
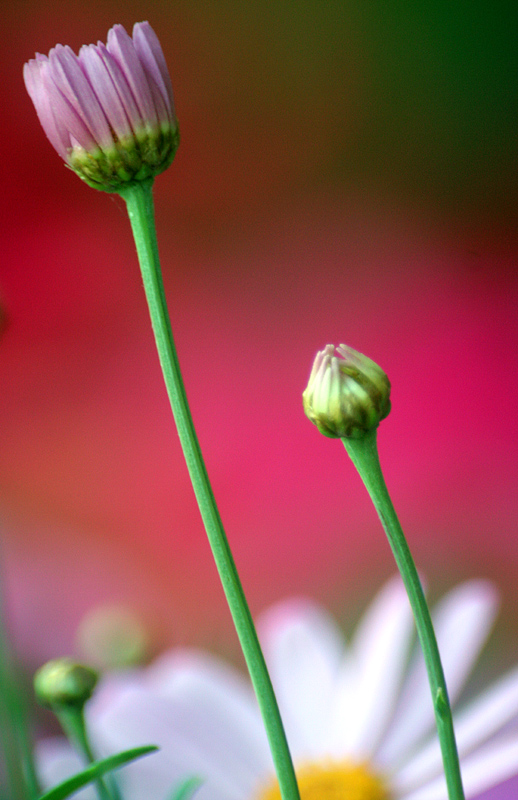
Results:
[142, 782]
[484, 717]
[303, 648]
[56, 761]
[488, 713]
[197, 724]
[142, 718]
[193, 679]
[488, 767]
[491, 765]
[335, 744]
[227, 688]
[462, 623]
[378, 657]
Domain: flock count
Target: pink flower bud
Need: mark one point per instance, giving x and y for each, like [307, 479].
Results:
[108, 112]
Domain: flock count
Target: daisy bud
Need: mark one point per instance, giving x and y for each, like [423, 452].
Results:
[108, 112]
[112, 637]
[61, 683]
[347, 394]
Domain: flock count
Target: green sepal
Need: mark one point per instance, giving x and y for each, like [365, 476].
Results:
[95, 771]
[127, 162]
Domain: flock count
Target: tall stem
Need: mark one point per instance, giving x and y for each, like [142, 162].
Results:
[364, 455]
[8, 730]
[14, 738]
[139, 200]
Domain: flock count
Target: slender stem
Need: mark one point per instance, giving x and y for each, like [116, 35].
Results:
[73, 723]
[139, 200]
[364, 455]
[13, 764]
[14, 737]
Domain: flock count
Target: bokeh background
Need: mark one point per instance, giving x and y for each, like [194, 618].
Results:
[347, 172]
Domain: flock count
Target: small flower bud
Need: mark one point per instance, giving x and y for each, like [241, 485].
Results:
[112, 637]
[61, 683]
[108, 112]
[347, 394]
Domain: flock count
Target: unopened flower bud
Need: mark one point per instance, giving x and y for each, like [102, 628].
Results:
[108, 112]
[62, 683]
[347, 394]
[112, 637]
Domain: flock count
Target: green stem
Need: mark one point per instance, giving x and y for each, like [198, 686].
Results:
[15, 739]
[364, 455]
[139, 200]
[8, 735]
[73, 723]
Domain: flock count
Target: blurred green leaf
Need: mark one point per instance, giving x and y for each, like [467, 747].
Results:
[95, 771]
[187, 788]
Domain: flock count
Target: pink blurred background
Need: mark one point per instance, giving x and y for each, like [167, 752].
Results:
[345, 174]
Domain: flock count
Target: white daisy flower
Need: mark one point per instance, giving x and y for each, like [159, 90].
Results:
[358, 716]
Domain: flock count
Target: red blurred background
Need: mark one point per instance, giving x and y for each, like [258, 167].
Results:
[346, 173]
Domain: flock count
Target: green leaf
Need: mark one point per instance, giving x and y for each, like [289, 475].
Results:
[95, 771]
[187, 788]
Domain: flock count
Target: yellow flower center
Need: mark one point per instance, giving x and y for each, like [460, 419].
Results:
[335, 780]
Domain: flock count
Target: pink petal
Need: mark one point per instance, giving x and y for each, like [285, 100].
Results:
[69, 124]
[73, 84]
[152, 58]
[122, 87]
[98, 74]
[40, 97]
[121, 47]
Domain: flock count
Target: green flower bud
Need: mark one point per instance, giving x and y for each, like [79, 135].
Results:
[347, 394]
[61, 683]
[112, 637]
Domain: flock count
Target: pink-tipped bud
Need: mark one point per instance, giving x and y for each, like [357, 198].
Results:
[108, 112]
[347, 394]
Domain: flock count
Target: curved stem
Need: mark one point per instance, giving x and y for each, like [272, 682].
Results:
[139, 200]
[364, 455]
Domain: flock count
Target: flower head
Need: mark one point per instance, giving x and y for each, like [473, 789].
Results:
[108, 112]
[358, 716]
[347, 394]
